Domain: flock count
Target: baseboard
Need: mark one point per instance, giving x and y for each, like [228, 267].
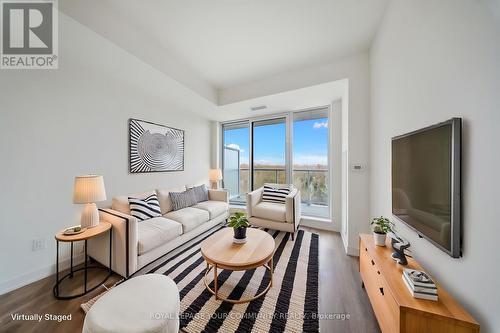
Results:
[349, 250]
[318, 223]
[37, 274]
[353, 252]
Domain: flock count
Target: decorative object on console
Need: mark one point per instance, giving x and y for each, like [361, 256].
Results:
[88, 190]
[399, 245]
[215, 175]
[420, 284]
[381, 226]
[155, 148]
[239, 222]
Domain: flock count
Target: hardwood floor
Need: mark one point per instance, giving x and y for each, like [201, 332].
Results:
[340, 294]
[340, 288]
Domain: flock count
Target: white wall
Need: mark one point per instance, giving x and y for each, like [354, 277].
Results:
[55, 124]
[355, 118]
[433, 60]
[114, 23]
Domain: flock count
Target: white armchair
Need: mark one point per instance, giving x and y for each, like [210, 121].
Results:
[284, 217]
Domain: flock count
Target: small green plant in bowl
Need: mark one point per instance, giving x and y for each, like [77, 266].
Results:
[239, 222]
[381, 226]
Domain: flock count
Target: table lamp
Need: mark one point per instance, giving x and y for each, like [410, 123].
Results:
[214, 175]
[88, 190]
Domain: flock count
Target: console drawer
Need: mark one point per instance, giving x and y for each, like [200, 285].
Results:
[384, 305]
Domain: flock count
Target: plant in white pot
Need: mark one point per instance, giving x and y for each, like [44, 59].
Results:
[381, 226]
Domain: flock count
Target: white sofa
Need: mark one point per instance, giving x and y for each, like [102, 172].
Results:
[138, 243]
[284, 217]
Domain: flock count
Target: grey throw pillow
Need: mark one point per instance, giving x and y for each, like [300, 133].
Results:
[182, 199]
[201, 193]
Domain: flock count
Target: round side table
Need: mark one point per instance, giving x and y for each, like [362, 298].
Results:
[98, 230]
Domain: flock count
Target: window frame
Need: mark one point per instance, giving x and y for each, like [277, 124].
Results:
[289, 117]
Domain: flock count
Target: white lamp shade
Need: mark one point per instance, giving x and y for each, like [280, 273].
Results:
[215, 175]
[89, 189]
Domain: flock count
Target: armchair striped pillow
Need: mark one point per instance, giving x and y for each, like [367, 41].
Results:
[275, 194]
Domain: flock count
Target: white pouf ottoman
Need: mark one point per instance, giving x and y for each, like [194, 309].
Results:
[147, 303]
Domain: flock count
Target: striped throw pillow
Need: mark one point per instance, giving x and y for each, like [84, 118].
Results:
[182, 199]
[276, 195]
[146, 208]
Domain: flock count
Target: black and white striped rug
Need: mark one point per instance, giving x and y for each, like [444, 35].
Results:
[291, 305]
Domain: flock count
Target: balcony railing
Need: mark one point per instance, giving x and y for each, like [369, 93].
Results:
[312, 183]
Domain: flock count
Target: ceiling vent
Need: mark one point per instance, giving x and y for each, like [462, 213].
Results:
[257, 108]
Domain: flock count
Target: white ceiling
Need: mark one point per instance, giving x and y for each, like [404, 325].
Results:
[210, 45]
[292, 100]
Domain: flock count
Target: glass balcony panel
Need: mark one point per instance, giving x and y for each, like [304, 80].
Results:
[269, 147]
[235, 160]
[310, 161]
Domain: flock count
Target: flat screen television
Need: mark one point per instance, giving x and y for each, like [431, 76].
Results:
[426, 183]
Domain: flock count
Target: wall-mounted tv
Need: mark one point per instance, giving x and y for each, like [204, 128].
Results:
[426, 183]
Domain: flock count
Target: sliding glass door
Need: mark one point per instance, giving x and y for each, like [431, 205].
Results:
[269, 152]
[235, 160]
[310, 161]
[289, 148]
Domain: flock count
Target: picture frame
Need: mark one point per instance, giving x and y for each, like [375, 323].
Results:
[154, 147]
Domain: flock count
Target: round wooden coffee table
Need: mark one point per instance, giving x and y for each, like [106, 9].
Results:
[219, 251]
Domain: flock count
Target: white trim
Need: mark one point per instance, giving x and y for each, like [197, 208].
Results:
[318, 223]
[37, 274]
[351, 251]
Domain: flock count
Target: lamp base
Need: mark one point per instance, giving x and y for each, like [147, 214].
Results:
[214, 184]
[90, 216]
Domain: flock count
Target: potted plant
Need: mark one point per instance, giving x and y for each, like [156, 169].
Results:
[239, 222]
[381, 226]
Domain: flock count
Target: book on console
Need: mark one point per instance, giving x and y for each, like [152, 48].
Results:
[419, 278]
[432, 291]
[426, 296]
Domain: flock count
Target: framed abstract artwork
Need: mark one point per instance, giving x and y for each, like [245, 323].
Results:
[155, 148]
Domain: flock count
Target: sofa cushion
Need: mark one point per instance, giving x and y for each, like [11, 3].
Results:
[120, 202]
[164, 198]
[270, 211]
[214, 208]
[189, 217]
[155, 232]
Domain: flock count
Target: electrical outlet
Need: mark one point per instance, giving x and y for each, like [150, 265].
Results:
[38, 244]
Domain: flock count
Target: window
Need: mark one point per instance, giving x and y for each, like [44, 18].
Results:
[289, 148]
